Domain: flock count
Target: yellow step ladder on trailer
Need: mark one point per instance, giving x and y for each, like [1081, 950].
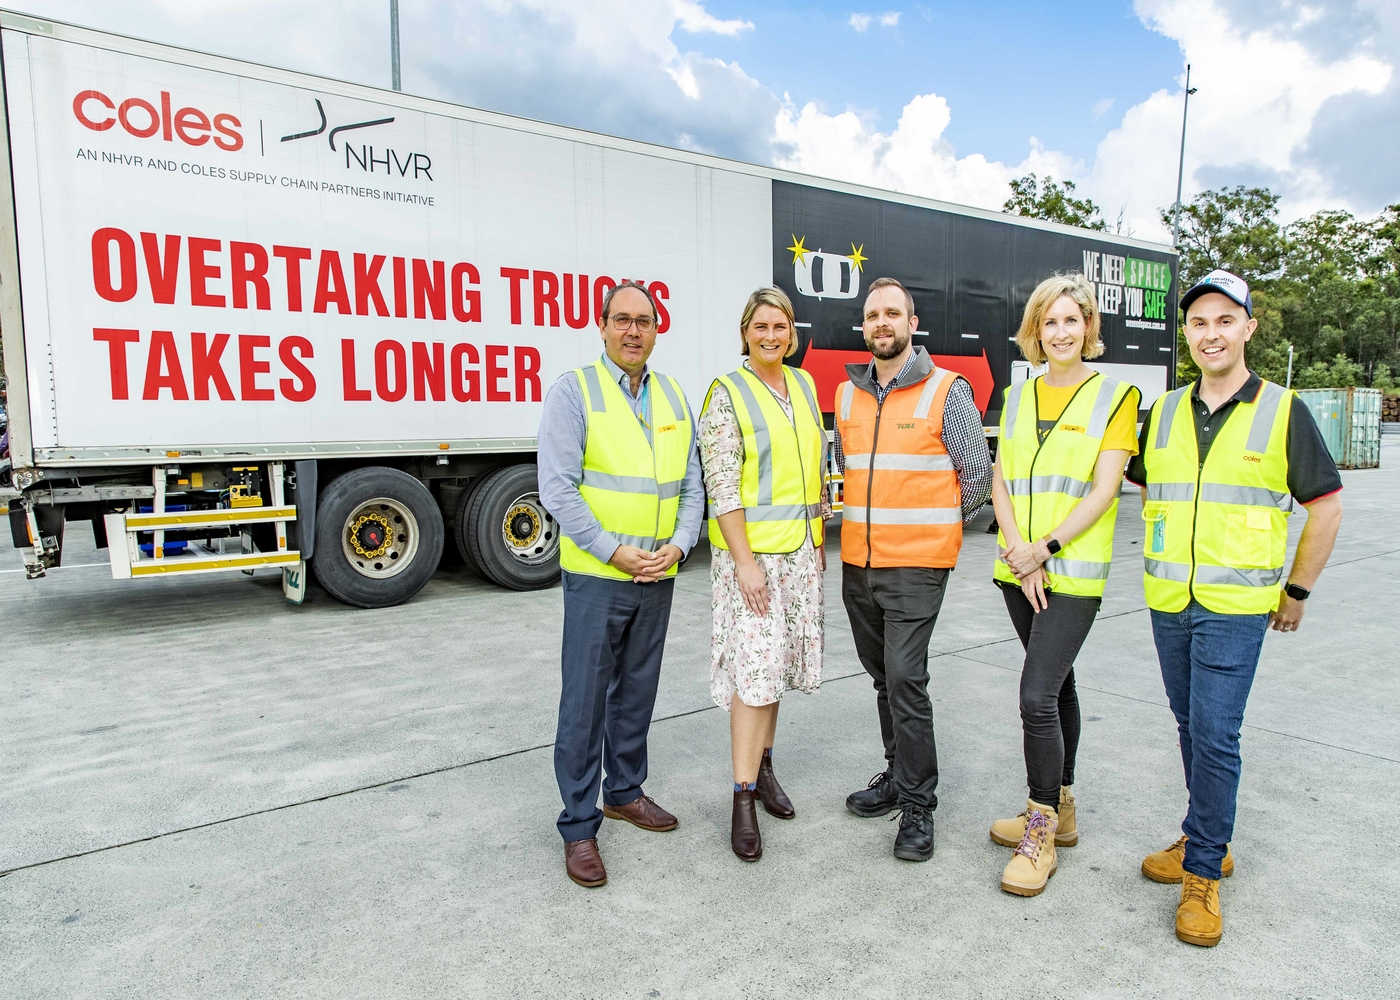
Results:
[129, 562]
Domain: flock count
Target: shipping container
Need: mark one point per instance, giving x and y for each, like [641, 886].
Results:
[1350, 421]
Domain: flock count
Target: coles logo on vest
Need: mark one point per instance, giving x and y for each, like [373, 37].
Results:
[142, 119]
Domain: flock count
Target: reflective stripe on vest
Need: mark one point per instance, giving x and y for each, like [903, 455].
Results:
[1049, 479]
[781, 482]
[632, 487]
[903, 506]
[1217, 531]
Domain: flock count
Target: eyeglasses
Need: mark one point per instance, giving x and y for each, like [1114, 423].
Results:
[622, 323]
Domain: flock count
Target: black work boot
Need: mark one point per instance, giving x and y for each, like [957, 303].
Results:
[914, 842]
[877, 799]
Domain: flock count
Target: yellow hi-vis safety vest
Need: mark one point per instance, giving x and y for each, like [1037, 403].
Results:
[632, 487]
[781, 485]
[1048, 480]
[1217, 530]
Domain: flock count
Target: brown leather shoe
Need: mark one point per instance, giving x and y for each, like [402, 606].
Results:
[743, 830]
[645, 813]
[775, 800]
[584, 865]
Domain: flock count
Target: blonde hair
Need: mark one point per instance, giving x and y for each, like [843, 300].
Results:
[1078, 289]
[776, 298]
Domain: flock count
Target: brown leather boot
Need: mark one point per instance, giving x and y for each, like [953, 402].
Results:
[775, 800]
[643, 812]
[583, 863]
[743, 830]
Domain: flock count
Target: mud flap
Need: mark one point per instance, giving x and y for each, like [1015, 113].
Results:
[294, 582]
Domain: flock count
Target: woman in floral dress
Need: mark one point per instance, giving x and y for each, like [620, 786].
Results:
[763, 448]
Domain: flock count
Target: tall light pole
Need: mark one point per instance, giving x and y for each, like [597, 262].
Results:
[394, 46]
[1180, 167]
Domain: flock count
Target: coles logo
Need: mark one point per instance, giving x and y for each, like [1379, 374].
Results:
[142, 119]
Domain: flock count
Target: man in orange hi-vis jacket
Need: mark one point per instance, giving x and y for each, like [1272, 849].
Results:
[909, 441]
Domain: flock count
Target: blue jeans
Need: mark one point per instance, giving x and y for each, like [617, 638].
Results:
[1208, 662]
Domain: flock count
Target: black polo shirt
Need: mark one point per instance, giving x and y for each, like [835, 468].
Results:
[1312, 474]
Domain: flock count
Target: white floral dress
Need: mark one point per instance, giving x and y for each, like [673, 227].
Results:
[757, 658]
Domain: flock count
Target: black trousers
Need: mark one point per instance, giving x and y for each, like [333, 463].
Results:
[1049, 703]
[614, 636]
[892, 614]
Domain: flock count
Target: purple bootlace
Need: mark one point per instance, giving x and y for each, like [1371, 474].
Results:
[1036, 823]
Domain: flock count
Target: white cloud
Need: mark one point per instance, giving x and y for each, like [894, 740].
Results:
[1259, 94]
[860, 22]
[1102, 108]
[915, 157]
[693, 17]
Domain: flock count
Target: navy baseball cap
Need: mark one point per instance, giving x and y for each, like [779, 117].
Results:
[1230, 285]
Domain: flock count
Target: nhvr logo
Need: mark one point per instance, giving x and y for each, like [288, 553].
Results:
[364, 157]
[823, 275]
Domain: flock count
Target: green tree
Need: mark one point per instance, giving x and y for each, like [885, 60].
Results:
[1234, 229]
[1317, 375]
[1327, 284]
[1053, 201]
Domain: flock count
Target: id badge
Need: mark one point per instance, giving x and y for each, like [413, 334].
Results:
[1155, 514]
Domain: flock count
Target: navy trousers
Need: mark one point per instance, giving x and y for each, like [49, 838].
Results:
[614, 635]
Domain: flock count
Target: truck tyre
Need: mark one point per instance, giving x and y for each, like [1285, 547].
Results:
[512, 539]
[379, 537]
[461, 524]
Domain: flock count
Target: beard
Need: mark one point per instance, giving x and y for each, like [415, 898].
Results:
[896, 348]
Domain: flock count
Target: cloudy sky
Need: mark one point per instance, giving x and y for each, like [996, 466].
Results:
[949, 100]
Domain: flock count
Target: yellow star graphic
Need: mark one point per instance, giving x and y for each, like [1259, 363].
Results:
[799, 252]
[858, 257]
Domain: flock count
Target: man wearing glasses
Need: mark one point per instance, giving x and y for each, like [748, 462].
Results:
[619, 470]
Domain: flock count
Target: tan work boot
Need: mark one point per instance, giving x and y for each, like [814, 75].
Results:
[1198, 918]
[1034, 861]
[1008, 832]
[1165, 866]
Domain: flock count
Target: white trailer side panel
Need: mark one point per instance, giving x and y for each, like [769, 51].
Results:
[143, 185]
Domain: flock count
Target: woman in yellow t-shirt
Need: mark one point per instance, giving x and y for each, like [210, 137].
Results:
[1065, 438]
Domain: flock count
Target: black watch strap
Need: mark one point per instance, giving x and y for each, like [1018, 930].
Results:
[1296, 592]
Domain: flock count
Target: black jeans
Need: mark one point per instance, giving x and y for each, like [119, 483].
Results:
[614, 636]
[1049, 704]
[892, 614]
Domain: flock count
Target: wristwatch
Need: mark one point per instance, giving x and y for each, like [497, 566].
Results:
[1296, 592]
[1054, 547]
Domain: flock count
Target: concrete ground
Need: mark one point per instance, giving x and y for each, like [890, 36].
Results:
[207, 792]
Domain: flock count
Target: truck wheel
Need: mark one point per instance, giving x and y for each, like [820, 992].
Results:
[461, 525]
[378, 537]
[512, 539]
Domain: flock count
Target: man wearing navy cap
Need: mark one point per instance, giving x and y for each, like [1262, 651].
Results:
[1221, 462]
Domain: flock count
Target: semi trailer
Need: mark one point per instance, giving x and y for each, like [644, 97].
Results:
[254, 318]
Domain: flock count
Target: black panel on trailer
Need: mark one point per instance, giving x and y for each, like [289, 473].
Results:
[970, 277]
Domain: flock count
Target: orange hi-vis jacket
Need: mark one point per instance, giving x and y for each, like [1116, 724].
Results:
[902, 501]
